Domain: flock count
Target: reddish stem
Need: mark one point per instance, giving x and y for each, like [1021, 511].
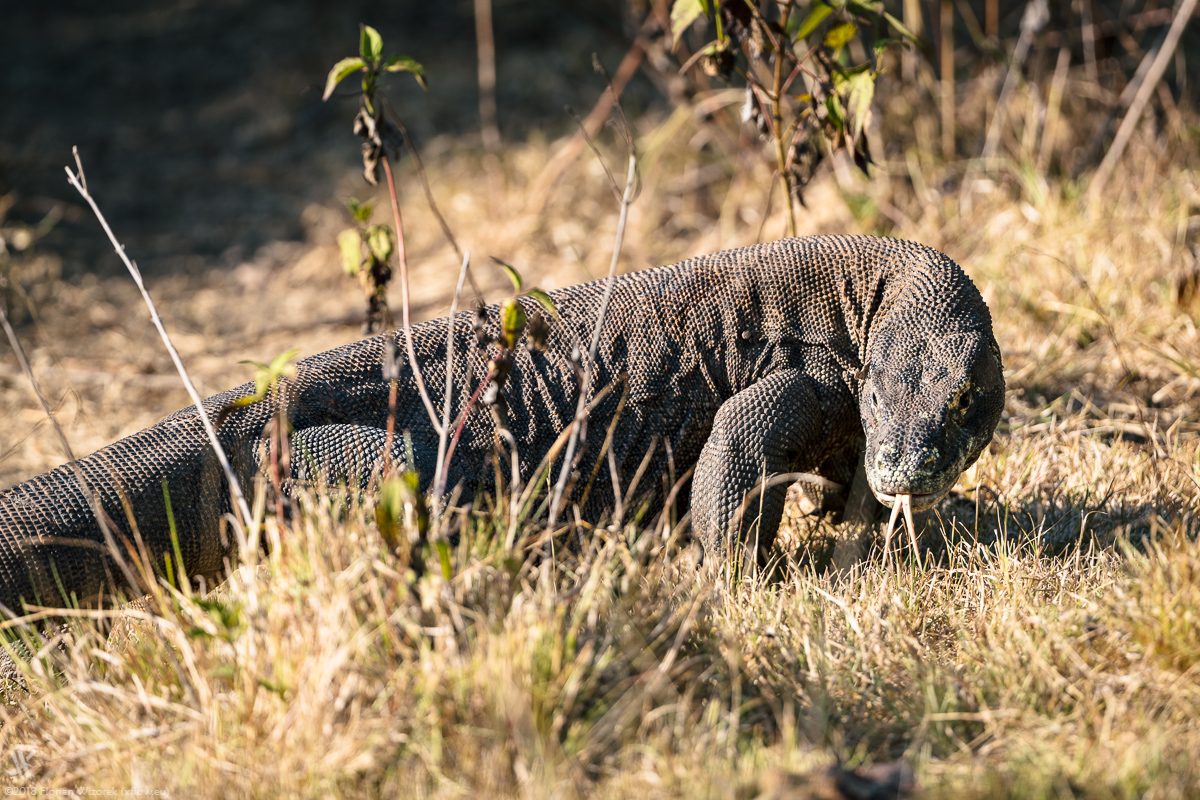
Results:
[391, 430]
[276, 477]
[401, 255]
[462, 420]
[402, 258]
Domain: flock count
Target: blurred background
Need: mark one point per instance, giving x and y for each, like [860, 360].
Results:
[205, 140]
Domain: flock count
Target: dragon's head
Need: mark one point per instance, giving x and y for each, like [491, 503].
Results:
[929, 405]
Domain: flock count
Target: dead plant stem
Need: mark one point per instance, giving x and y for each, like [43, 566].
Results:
[581, 406]
[402, 258]
[1134, 115]
[439, 481]
[234, 486]
[777, 117]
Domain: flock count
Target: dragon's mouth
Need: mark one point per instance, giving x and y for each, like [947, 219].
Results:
[919, 502]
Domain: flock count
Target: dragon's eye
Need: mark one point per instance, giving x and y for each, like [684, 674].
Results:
[963, 404]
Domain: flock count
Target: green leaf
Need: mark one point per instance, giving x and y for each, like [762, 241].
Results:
[343, 68]
[511, 272]
[281, 365]
[370, 46]
[683, 14]
[900, 29]
[839, 35]
[816, 16]
[399, 63]
[443, 551]
[865, 7]
[512, 322]
[877, 9]
[361, 211]
[545, 300]
[396, 492]
[882, 44]
[350, 245]
[836, 115]
[379, 242]
[859, 93]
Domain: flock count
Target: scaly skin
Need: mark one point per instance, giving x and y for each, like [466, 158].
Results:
[797, 355]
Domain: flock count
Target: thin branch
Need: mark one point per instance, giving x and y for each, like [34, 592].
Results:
[234, 486]
[540, 190]
[438, 491]
[612, 181]
[485, 46]
[402, 257]
[1153, 76]
[777, 130]
[1035, 17]
[581, 406]
[439, 480]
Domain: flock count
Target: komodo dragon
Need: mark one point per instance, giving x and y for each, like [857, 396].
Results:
[801, 354]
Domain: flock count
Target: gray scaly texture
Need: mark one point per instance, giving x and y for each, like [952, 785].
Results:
[813, 354]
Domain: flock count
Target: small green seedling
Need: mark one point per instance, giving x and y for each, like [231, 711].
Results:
[370, 62]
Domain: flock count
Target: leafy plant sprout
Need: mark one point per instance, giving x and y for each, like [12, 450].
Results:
[382, 139]
[826, 48]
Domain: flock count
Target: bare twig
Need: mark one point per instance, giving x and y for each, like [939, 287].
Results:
[777, 130]
[439, 480]
[581, 406]
[485, 46]
[1036, 15]
[1096, 143]
[402, 258]
[551, 454]
[947, 78]
[1153, 76]
[1088, 32]
[438, 491]
[419, 166]
[235, 487]
[1053, 104]
[562, 159]
[914, 21]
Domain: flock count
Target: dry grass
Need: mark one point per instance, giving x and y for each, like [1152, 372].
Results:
[1047, 644]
